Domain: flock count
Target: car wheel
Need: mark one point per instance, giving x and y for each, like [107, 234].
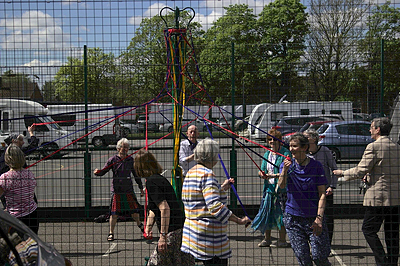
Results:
[335, 154]
[125, 132]
[170, 129]
[49, 148]
[98, 142]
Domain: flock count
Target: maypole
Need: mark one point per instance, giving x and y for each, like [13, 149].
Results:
[176, 45]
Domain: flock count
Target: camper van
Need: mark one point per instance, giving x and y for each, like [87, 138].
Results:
[71, 117]
[16, 115]
[264, 116]
[395, 118]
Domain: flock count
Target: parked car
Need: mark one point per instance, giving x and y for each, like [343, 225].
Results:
[150, 126]
[346, 139]
[19, 243]
[361, 116]
[168, 127]
[290, 124]
[308, 125]
[129, 127]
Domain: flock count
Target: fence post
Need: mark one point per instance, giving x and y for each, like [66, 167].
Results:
[87, 156]
[382, 76]
[233, 155]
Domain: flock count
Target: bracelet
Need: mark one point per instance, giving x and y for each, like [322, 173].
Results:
[164, 234]
[319, 216]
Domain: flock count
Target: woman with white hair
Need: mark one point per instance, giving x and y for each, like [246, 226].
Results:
[122, 192]
[205, 229]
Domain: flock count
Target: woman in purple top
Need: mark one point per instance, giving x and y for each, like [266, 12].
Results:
[304, 214]
[122, 192]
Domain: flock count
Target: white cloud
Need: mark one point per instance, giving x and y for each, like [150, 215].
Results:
[33, 30]
[152, 11]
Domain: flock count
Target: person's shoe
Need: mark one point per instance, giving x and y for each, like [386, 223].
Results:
[265, 243]
[278, 244]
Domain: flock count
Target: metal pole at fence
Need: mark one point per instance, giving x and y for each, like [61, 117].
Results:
[87, 156]
[233, 155]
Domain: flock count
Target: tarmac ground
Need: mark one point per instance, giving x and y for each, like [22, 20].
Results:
[84, 243]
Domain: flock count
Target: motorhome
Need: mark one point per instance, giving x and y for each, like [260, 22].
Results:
[16, 115]
[265, 115]
[395, 118]
[72, 118]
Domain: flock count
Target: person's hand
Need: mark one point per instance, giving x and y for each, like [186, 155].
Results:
[245, 220]
[329, 191]
[227, 184]
[286, 164]
[317, 226]
[162, 244]
[338, 172]
[148, 232]
[96, 171]
[31, 129]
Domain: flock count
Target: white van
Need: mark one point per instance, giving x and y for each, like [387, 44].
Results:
[395, 118]
[16, 115]
[71, 117]
[264, 116]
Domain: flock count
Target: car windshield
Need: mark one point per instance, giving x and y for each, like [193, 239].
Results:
[50, 121]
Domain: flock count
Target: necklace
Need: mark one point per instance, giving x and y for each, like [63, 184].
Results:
[301, 164]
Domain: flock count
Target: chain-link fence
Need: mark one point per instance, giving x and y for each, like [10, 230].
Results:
[79, 76]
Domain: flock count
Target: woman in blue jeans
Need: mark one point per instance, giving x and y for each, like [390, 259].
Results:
[305, 181]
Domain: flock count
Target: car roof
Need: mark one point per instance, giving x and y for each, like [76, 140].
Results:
[305, 116]
[334, 123]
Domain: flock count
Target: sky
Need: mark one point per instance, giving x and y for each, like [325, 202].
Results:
[36, 37]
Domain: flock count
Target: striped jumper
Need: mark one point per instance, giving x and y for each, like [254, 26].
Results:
[206, 213]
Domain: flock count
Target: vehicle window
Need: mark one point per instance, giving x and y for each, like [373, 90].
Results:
[322, 129]
[258, 120]
[304, 111]
[336, 112]
[29, 120]
[65, 120]
[342, 129]
[6, 122]
[49, 121]
[363, 129]
[26, 247]
[276, 116]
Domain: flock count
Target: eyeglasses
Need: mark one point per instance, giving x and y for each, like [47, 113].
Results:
[269, 139]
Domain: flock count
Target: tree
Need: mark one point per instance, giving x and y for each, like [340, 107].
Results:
[238, 26]
[335, 25]
[383, 24]
[282, 26]
[70, 85]
[144, 64]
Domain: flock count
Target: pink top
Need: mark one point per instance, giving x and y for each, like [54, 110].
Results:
[19, 187]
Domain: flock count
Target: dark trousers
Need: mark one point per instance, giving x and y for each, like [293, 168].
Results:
[31, 220]
[328, 216]
[373, 219]
[216, 262]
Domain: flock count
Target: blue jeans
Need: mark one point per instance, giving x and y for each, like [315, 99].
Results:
[301, 238]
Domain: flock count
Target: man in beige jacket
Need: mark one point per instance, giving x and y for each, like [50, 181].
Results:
[381, 161]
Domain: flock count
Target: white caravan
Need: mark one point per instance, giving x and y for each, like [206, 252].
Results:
[16, 115]
[72, 118]
[265, 115]
[395, 118]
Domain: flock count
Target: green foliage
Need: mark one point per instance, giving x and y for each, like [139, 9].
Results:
[143, 64]
[69, 81]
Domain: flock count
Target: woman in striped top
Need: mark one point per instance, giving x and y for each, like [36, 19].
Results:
[18, 186]
[207, 216]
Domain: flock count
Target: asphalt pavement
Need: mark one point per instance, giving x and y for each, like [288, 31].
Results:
[84, 243]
